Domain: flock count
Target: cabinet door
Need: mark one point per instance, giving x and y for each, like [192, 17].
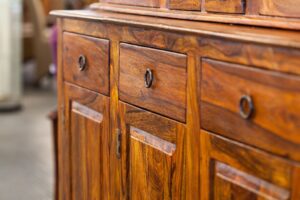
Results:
[151, 154]
[231, 170]
[87, 126]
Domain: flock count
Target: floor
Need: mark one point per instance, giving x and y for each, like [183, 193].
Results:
[26, 158]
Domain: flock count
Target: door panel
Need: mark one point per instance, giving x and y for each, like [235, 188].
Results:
[232, 170]
[151, 154]
[87, 121]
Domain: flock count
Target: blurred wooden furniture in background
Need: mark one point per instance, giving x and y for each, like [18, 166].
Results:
[52, 116]
[41, 38]
[157, 101]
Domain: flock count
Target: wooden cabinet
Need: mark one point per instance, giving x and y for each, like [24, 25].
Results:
[164, 109]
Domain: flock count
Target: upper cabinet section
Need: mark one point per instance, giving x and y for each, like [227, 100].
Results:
[268, 13]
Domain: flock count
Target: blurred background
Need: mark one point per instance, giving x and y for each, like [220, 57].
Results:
[28, 97]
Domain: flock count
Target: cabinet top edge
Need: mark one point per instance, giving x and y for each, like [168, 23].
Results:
[278, 37]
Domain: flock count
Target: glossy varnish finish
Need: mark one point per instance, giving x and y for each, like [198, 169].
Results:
[148, 3]
[87, 125]
[167, 93]
[227, 6]
[270, 13]
[236, 171]
[276, 118]
[151, 149]
[95, 52]
[283, 8]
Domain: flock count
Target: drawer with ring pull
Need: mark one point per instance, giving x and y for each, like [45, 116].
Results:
[254, 106]
[154, 79]
[86, 62]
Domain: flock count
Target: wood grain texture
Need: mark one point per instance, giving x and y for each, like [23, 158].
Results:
[95, 76]
[252, 16]
[87, 124]
[166, 159]
[276, 97]
[64, 176]
[117, 184]
[234, 184]
[225, 6]
[236, 170]
[167, 95]
[152, 165]
[282, 8]
[147, 3]
[243, 33]
[185, 4]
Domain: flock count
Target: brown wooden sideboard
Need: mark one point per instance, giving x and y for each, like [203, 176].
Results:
[157, 102]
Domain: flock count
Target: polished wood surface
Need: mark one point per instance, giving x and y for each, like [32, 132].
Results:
[281, 8]
[276, 118]
[152, 150]
[202, 148]
[185, 5]
[95, 51]
[149, 3]
[265, 13]
[233, 170]
[227, 6]
[87, 125]
[167, 94]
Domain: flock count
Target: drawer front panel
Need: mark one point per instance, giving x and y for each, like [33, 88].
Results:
[86, 62]
[185, 5]
[146, 3]
[225, 6]
[251, 105]
[282, 8]
[167, 93]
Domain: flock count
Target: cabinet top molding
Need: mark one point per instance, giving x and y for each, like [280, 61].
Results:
[235, 32]
[264, 14]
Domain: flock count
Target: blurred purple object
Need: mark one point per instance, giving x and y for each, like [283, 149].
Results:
[53, 42]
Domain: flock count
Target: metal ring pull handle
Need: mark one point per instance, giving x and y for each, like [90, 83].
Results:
[246, 107]
[82, 62]
[148, 78]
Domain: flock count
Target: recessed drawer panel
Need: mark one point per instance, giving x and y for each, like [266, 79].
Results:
[282, 8]
[154, 79]
[145, 3]
[251, 105]
[225, 6]
[86, 62]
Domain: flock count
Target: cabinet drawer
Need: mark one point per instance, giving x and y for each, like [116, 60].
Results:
[86, 62]
[167, 92]
[255, 106]
[225, 6]
[282, 8]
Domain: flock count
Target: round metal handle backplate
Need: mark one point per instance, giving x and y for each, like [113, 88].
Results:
[148, 78]
[246, 107]
[81, 62]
